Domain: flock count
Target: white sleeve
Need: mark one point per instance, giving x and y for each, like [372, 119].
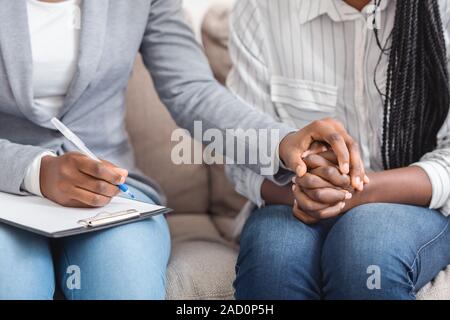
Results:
[437, 163]
[249, 80]
[31, 183]
[437, 166]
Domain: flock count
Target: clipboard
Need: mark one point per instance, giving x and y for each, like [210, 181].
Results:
[43, 217]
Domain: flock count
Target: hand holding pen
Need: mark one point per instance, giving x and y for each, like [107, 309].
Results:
[80, 179]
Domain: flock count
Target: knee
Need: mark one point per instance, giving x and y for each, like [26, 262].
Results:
[274, 236]
[277, 251]
[365, 256]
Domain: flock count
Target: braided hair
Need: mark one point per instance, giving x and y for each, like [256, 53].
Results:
[417, 97]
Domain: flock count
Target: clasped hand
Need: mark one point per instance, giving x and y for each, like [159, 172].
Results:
[323, 192]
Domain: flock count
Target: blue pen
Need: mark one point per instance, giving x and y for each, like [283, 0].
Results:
[83, 149]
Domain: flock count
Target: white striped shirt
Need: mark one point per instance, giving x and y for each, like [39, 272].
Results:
[303, 60]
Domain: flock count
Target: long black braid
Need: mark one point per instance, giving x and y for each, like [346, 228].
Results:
[417, 97]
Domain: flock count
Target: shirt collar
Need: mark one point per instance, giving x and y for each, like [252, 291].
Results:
[337, 10]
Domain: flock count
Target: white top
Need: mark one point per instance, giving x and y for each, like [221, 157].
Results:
[55, 36]
[54, 40]
[305, 60]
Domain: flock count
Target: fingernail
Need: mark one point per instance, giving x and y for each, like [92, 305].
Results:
[294, 187]
[299, 171]
[361, 186]
[348, 196]
[366, 179]
[122, 180]
[345, 168]
[293, 180]
[342, 205]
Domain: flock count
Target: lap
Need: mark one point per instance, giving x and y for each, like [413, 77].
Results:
[273, 231]
[128, 261]
[277, 250]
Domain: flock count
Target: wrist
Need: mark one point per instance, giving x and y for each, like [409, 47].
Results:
[368, 195]
[277, 195]
[46, 163]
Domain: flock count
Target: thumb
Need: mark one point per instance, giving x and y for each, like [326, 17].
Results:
[291, 150]
[298, 166]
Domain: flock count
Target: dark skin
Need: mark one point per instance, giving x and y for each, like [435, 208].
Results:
[325, 192]
[74, 180]
[77, 181]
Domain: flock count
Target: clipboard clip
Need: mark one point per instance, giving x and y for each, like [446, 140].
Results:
[105, 218]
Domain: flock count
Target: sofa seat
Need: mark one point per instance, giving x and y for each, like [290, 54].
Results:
[202, 262]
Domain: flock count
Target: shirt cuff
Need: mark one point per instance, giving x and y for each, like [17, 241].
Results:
[31, 182]
[440, 182]
[250, 187]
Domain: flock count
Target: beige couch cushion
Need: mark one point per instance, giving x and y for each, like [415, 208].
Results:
[150, 127]
[202, 263]
[225, 203]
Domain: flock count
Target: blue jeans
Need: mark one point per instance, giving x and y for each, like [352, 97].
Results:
[126, 262]
[375, 251]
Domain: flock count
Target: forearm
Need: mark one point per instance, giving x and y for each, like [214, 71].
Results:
[186, 85]
[409, 185]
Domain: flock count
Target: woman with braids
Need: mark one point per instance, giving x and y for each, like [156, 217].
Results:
[381, 69]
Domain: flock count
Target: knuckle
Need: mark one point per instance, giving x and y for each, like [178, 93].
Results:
[329, 171]
[319, 123]
[101, 187]
[98, 169]
[307, 181]
[307, 207]
[318, 194]
[96, 200]
[354, 145]
[334, 137]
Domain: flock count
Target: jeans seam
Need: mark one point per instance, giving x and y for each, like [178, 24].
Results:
[419, 251]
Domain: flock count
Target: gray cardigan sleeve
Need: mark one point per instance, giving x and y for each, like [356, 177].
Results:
[15, 159]
[186, 85]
